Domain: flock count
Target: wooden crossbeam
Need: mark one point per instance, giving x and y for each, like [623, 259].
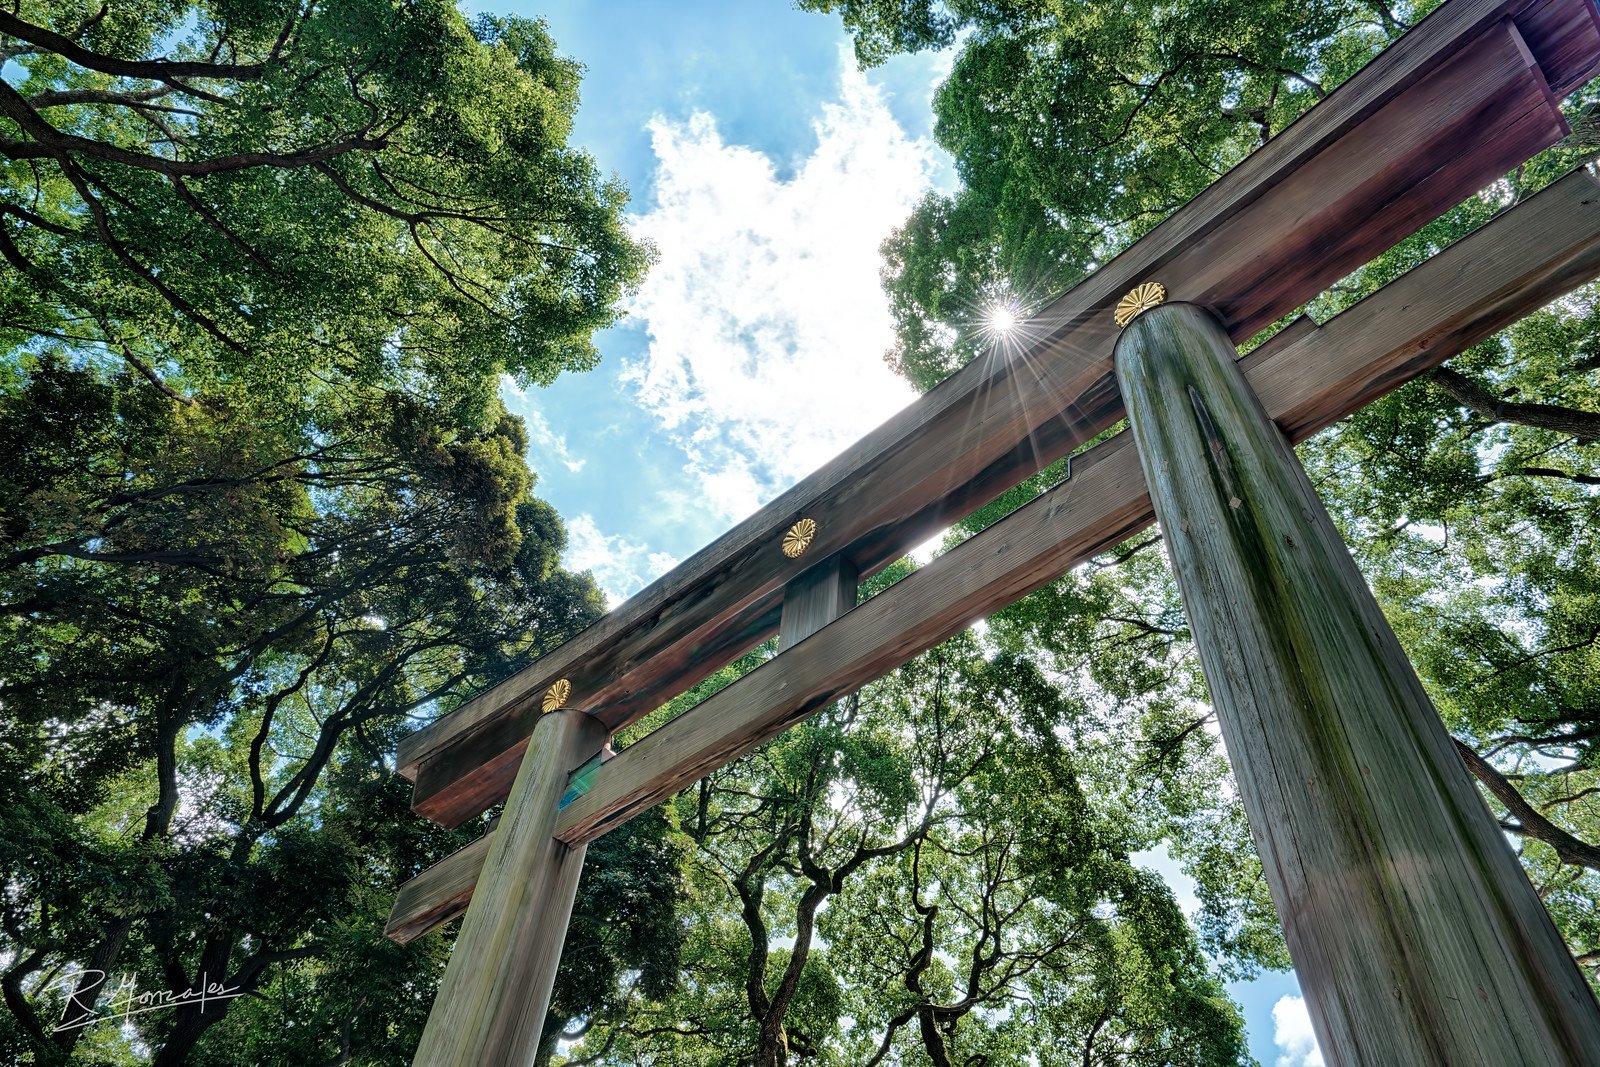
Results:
[1457, 102]
[1563, 41]
[1307, 378]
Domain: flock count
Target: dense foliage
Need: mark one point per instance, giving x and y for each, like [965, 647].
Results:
[285, 195]
[262, 511]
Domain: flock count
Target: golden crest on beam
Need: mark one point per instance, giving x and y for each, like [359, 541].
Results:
[799, 537]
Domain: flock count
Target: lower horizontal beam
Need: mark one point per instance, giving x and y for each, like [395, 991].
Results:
[437, 895]
[1307, 378]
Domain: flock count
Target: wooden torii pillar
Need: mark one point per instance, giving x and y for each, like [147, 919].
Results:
[1460, 100]
[490, 1008]
[1414, 931]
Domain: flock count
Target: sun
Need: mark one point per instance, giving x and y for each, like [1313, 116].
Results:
[1001, 319]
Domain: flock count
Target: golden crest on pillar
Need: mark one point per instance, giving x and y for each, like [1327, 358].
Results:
[1141, 298]
[555, 698]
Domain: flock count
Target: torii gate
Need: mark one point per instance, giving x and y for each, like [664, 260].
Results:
[1415, 934]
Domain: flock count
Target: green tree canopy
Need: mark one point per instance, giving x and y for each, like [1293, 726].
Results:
[215, 632]
[265, 264]
[282, 194]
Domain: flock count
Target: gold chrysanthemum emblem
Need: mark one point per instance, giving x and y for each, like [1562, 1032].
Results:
[1141, 298]
[799, 538]
[555, 698]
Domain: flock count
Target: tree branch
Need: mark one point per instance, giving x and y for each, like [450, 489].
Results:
[1584, 425]
[149, 69]
[1550, 472]
[1531, 822]
[52, 142]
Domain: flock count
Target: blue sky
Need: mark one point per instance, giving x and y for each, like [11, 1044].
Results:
[766, 169]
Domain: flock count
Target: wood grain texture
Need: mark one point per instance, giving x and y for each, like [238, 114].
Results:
[1307, 377]
[1567, 48]
[1413, 929]
[1448, 108]
[816, 598]
[491, 1005]
[1519, 261]
[437, 895]
[1493, 85]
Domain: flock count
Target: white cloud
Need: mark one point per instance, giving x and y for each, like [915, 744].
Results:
[1291, 1032]
[766, 319]
[621, 567]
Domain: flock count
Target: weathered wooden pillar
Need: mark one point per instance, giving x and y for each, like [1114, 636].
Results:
[491, 1005]
[1415, 934]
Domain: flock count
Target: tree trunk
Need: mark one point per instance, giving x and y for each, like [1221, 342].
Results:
[187, 1030]
[1413, 929]
[772, 1044]
[96, 973]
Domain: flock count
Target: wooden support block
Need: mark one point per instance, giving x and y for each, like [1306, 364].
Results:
[1413, 929]
[491, 1005]
[1307, 377]
[1448, 108]
[816, 598]
[1566, 47]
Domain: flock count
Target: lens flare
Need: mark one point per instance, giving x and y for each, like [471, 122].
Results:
[1001, 319]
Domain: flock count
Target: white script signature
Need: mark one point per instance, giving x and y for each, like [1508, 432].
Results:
[126, 1000]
